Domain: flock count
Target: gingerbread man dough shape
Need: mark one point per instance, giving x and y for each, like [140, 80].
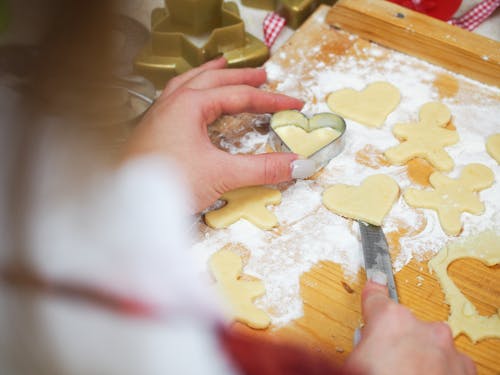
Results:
[246, 203]
[464, 317]
[451, 197]
[426, 139]
[226, 267]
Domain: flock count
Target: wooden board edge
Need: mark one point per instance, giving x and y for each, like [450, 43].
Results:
[424, 37]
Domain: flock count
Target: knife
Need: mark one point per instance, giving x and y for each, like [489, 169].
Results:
[376, 254]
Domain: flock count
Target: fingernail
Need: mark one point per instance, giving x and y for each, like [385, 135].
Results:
[378, 277]
[357, 336]
[303, 168]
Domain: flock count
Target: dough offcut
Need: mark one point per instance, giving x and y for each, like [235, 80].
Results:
[464, 317]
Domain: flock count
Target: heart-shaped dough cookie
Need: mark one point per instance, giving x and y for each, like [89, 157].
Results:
[493, 146]
[306, 136]
[370, 106]
[369, 202]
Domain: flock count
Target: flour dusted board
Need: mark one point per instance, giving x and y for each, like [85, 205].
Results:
[419, 35]
[318, 60]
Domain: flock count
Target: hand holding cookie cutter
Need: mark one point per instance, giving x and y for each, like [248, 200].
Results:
[293, 118]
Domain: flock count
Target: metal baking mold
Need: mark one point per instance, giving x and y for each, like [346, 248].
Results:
[323, 156]
[188, 33]
[294, 11]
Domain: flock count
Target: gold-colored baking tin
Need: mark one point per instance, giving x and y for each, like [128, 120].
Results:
[294, 11]
[187, 33]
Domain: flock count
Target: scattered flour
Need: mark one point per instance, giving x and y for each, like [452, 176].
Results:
[308, 232]
[250, 142]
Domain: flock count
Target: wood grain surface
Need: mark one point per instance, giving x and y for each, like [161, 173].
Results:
[422, 36]
[332, 308]
[331, 301]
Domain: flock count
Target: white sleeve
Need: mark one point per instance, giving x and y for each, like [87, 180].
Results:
[123, 232]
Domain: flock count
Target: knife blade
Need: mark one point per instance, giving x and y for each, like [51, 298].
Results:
[376, 254]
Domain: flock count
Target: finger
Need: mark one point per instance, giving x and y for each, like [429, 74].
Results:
[469, 365]
[249, 170]
[227, 77]
[180, 80]
[374, 301]
[236, 99]
[442, 335]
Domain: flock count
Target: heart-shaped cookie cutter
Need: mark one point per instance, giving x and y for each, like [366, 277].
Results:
[320, 120]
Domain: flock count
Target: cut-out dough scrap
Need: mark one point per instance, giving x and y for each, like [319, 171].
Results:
[451, 197]
[246, 203]
[493, 146]
[464, 317]
[306, 136]
[426, 139]
[226, 267]
[370, 106]
[369, 202]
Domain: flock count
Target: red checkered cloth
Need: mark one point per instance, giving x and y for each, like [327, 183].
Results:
[273, 24]
[477, 15]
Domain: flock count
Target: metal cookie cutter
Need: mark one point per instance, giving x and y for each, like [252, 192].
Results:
[188, 33]
[294, 11]
[321, 120]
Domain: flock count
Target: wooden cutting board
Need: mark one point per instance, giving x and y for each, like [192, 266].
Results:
[331, 303]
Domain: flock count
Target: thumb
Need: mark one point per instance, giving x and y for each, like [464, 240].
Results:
[375, 300]
[249, 170]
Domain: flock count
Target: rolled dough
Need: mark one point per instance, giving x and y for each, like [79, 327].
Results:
[464, 317]
[493, 146]
[305, 136]
[226, 267]
[426, 139]
[306, 143]
[369, 202]
[451, 197]
[246, 203]
[370, 106]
